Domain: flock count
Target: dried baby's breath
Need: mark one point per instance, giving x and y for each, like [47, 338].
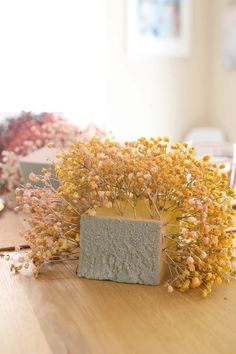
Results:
[191, 199]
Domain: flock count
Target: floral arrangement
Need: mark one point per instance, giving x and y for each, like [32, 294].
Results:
[191, 199]
[26, 133]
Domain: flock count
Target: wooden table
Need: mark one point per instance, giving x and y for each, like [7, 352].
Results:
[60, 313]
[10, 225]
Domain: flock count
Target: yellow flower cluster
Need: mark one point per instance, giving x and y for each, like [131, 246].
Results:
[191, 199]
[54, 225]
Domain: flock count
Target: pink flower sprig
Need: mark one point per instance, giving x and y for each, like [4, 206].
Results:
[22, 135]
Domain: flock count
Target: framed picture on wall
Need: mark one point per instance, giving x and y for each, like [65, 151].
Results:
[159, 27]
[229, 36]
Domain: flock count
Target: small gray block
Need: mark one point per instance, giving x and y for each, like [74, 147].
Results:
[36, 161]
[122, 250]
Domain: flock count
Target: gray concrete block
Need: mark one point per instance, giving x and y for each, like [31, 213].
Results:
[122, 250]
[36, 161]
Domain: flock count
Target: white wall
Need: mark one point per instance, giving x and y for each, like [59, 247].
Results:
[69, 56]
[222, 103]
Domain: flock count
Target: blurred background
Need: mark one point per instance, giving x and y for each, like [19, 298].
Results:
[80, 58]
[72, 69]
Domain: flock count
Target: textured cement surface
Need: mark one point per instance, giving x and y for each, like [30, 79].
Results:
[122, 250]
[36, 161]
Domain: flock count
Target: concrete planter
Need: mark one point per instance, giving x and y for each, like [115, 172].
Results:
[122, 250]
[36, 161]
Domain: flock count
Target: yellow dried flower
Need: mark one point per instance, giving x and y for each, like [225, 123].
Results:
[190, 198]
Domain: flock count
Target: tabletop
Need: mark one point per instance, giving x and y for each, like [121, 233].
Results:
[60, 313]
[10, 225]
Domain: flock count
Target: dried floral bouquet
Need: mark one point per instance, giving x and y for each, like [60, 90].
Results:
[23, 134]
[191, 199]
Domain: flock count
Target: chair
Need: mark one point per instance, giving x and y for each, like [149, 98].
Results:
[205, 135]
[211, 141]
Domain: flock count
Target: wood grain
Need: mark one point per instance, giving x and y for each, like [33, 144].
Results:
[10, 225]
[19, 327]
[60, 313]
